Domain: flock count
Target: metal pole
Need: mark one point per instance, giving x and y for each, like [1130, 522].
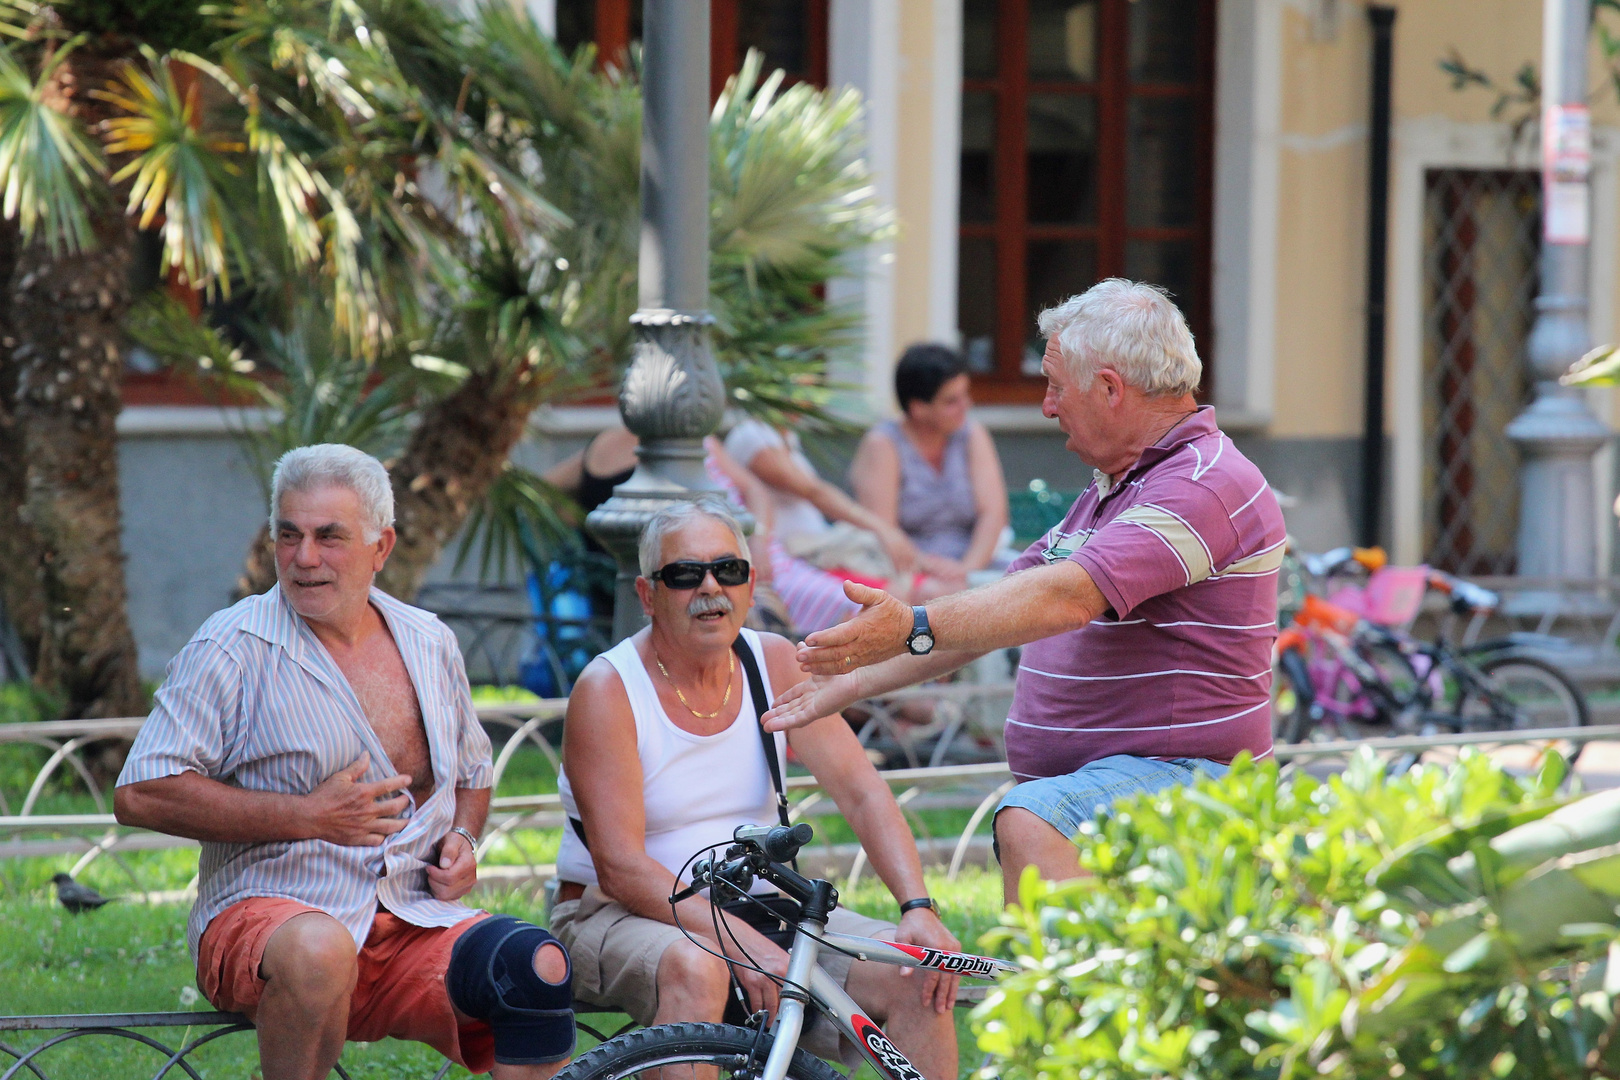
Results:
[672, 395]
[1372, 439]
[1557, 434]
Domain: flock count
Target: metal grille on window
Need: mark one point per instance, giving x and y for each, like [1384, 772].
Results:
[1481, 242]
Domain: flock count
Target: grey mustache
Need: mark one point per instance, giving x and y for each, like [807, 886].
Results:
[702, 605]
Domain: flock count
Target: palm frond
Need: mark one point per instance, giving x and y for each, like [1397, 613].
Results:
[1599, 367]
[48, 165]
[523, 523]
[180, 169]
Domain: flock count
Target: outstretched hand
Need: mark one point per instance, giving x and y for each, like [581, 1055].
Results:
[808, 701]
[870, 636]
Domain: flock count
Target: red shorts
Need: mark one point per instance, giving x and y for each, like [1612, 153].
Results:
[400, 992]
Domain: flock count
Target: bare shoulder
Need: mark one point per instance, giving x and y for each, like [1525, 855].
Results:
[876, 445]
[781, 661]
[979, 438]
[598, 691]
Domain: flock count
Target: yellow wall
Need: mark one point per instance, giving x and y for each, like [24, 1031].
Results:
[1321, 259]
[914, 177]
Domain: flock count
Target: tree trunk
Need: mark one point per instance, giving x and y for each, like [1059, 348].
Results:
[453, 457]
[22, 598]
[67, 313]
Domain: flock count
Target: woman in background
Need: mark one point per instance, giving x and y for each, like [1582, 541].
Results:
[934, 472]
[817, 522]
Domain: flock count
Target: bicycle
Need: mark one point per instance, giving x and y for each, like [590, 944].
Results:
[758, 1051]
[1342, 674]
[1348, 660]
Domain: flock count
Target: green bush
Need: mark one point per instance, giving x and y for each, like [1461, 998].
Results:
[1238, 929]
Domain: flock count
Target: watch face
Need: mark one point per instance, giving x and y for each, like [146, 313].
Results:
[922, 643]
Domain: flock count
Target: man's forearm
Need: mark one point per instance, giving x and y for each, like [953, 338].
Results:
[884, 834]
[1016, 610]
[193, 806]
[906, 670]
[472, 809]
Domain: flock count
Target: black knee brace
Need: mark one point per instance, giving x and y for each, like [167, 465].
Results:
[491, 978]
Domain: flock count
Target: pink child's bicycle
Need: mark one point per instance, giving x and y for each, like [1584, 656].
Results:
[1350, 668]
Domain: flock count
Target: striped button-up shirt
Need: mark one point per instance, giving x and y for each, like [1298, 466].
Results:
[254, 700]
[1185, 548]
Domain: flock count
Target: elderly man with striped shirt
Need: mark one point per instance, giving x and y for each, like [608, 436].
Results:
[320, 741]
[1147, 615]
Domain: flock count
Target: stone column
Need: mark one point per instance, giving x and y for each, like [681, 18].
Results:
[672, 395]
[1557, 434]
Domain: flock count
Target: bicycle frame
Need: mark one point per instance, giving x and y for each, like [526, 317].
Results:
[839, 1008]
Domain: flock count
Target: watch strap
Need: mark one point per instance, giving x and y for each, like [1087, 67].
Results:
[920, 902]
[472, 841]
[919, 627]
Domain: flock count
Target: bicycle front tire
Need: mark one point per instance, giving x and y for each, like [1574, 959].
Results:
[1533, 692]
[678, 1051]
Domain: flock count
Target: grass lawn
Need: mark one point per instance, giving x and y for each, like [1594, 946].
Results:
[131, 957]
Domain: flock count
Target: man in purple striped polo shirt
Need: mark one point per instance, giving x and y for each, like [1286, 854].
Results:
[1147, 615]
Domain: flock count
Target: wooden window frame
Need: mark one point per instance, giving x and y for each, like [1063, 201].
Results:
[1010, 229]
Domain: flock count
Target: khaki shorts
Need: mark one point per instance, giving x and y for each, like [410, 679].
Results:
[615, 956]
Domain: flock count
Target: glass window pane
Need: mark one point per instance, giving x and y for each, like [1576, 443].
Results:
[1161, 162]
[1168, 264]
[1063, 40]
[979, 39]
[1061, 159]
[1057, 270]
[1164, 41]
[976, 301]
[978, 156]
[779, 30]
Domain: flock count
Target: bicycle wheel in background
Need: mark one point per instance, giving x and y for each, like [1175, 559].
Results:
[1522, 692]
[1292, 697]
[683, 1051]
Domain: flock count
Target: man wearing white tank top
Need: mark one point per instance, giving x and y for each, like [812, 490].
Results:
[663, 756]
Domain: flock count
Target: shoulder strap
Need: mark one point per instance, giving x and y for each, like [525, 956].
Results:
[756, 690]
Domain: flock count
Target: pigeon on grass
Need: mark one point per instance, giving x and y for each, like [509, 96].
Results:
[78, 898]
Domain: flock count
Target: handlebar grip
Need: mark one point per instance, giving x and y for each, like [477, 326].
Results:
[780, 843]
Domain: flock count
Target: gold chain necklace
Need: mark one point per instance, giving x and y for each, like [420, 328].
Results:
[700, 715]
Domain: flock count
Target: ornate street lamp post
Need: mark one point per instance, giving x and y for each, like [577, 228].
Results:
[672, 395]
[1557, 434]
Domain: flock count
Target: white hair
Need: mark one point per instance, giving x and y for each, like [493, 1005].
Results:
[677, 516]
[1131, 327]
[335, 465]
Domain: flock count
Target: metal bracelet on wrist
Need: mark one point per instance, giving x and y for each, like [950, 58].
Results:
[472, 841]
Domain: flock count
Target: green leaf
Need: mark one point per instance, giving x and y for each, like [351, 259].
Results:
[180, 169]
[48, 166]
[1599, 367]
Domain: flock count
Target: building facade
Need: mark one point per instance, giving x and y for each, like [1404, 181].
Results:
[1216, 147]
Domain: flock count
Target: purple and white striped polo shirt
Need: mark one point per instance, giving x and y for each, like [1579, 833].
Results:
[256, 701]
[1186, 549]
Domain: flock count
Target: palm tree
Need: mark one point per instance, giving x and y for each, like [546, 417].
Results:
[305, 137]
[534, 319]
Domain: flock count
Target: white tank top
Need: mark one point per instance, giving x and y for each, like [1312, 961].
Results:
[698, 788]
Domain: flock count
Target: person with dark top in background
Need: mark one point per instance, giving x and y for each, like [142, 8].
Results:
[934, 471]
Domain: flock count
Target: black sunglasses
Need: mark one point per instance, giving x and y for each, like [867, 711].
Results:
[689, 575]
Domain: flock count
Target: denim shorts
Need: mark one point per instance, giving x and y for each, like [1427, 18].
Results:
[1067, 802]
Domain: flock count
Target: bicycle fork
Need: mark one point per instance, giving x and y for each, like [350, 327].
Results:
[790, 1007]
[841, 1010]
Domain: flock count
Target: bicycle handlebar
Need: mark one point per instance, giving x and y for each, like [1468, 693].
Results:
[760, 851]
